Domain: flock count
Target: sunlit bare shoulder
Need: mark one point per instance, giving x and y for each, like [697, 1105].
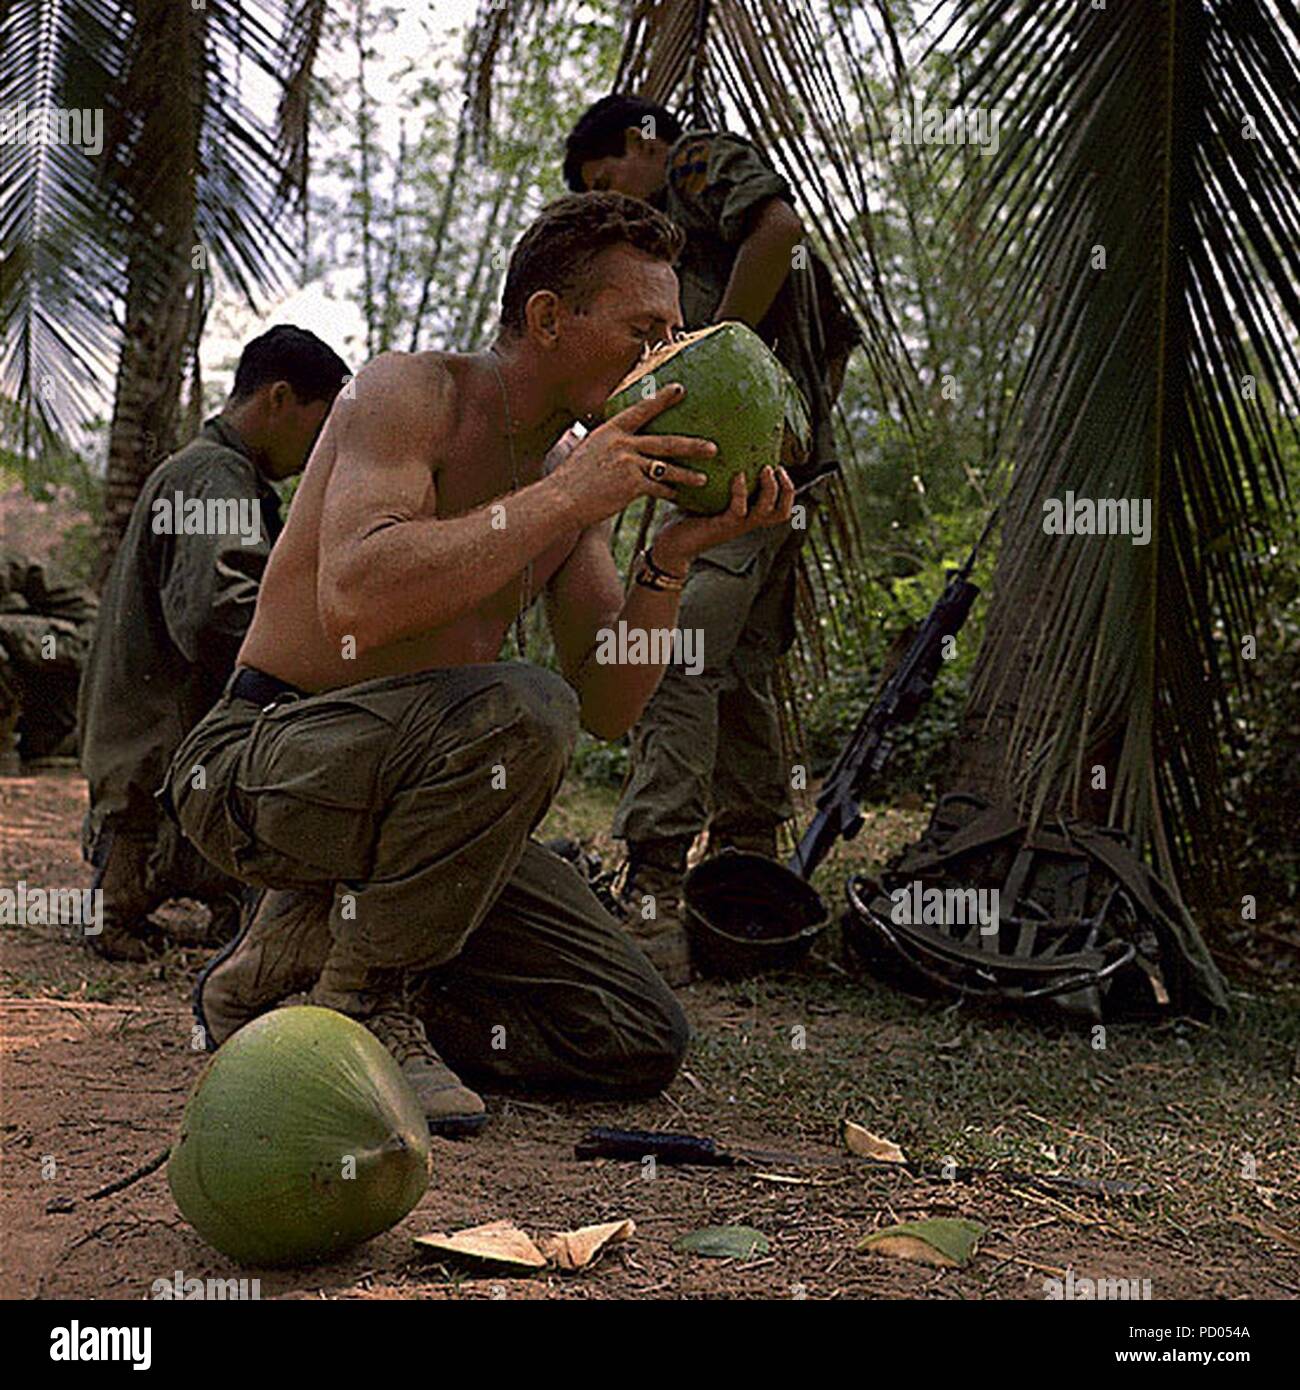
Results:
[404, 401]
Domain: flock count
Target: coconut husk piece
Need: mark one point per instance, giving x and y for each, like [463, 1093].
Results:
[497, 1242]
[572, 1250]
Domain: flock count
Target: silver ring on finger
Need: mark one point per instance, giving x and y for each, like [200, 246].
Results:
[656, 472]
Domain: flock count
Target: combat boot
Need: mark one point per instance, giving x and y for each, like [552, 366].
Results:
[280, 951]
[126, 932]
[651, 905]
[375, 998]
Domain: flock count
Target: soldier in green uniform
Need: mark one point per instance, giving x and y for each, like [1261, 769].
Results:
[178, 601]
[707, 749]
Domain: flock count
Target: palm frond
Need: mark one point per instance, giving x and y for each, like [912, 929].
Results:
[304, 26]
[1165, 138]
[72, 221]
[499, 31]
[792, 79]
[54, 339]
[240, 174]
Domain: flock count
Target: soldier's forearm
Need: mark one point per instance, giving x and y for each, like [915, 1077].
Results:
[760, 267]
[618, 678]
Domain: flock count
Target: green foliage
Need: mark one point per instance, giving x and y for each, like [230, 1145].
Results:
[58, 510]
[1145, 196]
[50, 467]
[1263, 786]
[924, 750]
[429, 220]
[600, 764]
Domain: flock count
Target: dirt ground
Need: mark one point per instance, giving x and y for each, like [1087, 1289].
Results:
[97, 1065]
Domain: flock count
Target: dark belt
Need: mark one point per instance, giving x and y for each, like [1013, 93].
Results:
[261, 689]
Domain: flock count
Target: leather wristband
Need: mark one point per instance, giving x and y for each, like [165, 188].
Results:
[650, 576]
[648, 555]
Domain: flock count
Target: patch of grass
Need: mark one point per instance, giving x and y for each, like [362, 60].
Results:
[64, 980]
[1192, 1112]
[103, 991]
[585, 812]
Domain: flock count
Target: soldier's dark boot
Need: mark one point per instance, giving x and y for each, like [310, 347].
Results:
[651, 902]
[377, 999]
[125, 930]
[280, 951]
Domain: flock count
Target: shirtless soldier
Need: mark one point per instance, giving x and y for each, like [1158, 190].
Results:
[374, 764]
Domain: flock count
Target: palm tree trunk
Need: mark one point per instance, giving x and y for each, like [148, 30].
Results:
[146, 404]
[159, 318]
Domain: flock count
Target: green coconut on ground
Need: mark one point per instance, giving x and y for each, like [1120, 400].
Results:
[301, 1140]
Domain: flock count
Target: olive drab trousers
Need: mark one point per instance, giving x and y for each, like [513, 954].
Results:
[412, 802]
[707, 748]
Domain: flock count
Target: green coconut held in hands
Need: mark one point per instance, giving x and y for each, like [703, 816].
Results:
[737, 394]
[301, 1140]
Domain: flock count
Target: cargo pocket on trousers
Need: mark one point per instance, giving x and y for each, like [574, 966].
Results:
[304, 795]
[249, 860]
[719, 596]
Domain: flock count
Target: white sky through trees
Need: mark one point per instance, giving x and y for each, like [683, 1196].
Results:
[328, 306]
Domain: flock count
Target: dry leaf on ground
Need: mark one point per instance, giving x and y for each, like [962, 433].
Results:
[572, 1250]
[864, 1144]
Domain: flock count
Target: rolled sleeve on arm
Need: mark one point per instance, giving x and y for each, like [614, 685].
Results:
[728, 180]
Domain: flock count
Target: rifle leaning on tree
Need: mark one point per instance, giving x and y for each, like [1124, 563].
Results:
[838, 814]
[909, 686]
